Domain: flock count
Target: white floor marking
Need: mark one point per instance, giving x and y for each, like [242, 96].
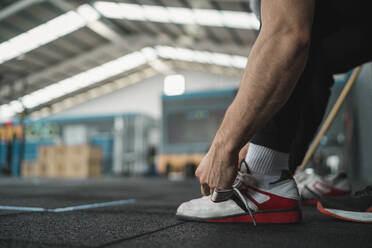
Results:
[94, 205]
[72, 208]
[29, 209]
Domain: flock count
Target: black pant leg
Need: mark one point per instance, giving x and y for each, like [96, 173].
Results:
[293, 127]
[341, 51]
[317, 96]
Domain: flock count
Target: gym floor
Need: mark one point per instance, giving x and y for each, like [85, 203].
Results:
[145, 219]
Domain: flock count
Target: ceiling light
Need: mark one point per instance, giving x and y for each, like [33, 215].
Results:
[191, 55]
[156, 13]
[109, 10]
[89, 13]
[149, 53]
[174, 85]
[204, 17]
[41, 35]
[239, 61]
[234, 19]
[208, 17]
[181, 15]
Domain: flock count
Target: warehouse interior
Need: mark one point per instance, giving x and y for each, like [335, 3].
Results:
[116, 103]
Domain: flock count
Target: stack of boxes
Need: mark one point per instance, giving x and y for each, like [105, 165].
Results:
[65, 162]
[83, 161]
[30, 169]
[52, 161]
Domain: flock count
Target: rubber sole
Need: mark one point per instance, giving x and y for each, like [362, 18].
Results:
[293, 216]
[360, 217]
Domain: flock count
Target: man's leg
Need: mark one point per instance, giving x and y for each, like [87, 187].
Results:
[340, 41]
[342, 51]
[313, 109]
[281, 130]
[270, 148]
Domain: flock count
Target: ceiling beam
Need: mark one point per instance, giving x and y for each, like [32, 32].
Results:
[109, 33]
[98, 27]
[45, 77]
[125, 80]
[75, 98]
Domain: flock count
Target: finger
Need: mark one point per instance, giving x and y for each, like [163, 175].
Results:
[197, 172]
[205, 189]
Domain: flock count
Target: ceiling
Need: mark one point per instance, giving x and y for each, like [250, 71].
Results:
[102, 36]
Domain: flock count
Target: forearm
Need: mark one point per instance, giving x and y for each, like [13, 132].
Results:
[274, 66]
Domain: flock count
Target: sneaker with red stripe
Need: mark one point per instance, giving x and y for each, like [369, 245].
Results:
[312, 186]
[356, 208]
[251, 199]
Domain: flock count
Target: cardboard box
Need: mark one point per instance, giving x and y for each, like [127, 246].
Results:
[56, 162]
[84, 152]
[30, 169]
[43, 166]
[70, 161]
[83, 162]
[25, 169]
[52, 161]
[82, 169]
[55, 169]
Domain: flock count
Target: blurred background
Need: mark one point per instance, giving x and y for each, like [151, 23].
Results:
[93, 89]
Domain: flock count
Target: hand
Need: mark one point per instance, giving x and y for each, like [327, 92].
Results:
[218, 169]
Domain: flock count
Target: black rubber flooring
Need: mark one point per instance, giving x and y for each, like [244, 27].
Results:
[150, 221]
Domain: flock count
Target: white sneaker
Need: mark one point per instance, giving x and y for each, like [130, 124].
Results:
[312, 186]
[251, 199]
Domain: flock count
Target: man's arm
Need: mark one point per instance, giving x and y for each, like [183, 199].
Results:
[275, 63]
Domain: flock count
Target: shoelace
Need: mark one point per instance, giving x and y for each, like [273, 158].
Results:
[242, 198]
[220, 195]
[365, 192]
[243, 178]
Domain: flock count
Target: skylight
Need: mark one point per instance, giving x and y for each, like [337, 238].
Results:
[84, 79]
[204, 57]
[204, 17]
[47, 32]
[74, 20]
[118, 66]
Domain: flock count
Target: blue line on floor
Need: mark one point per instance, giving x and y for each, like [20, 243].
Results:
[67, 209]
[15, 208]
[94, 205]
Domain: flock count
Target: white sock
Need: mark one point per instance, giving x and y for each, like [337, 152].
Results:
[265, 162]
